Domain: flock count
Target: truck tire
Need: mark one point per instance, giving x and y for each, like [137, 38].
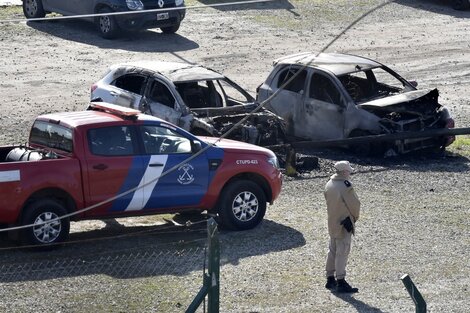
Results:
[107, 24]
[242, 205]
[50, 233]
[33, 9]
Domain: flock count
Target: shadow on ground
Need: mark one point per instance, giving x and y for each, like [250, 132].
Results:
[143, 41]
[272, 5]
[359, 305]
[140, 251]
[436, 6]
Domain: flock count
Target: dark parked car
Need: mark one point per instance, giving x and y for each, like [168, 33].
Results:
[110, 26]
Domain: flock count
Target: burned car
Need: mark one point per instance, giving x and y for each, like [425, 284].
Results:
[338, 96]
[193, 97]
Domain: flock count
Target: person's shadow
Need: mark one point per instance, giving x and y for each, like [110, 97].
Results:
[359, 305]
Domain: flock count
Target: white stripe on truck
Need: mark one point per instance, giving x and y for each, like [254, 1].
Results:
[9, 176]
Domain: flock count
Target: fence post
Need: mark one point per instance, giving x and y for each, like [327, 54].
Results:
[214, 267]
[210, 284]
[414, 293]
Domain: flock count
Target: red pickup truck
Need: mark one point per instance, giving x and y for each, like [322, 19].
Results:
[120, 163]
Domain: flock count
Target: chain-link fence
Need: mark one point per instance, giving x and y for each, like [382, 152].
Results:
[160, 277]
[127, 265]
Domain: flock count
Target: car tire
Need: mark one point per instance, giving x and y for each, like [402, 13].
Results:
[367, 148]
[49, 233]
[33, 9]
[242, 205]
[107, 24]
[170, 29]
[461, 4]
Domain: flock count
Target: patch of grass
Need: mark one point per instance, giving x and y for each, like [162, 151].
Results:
[11, 12]
[461, 145]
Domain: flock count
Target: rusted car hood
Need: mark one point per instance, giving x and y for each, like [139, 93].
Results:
[417, 102]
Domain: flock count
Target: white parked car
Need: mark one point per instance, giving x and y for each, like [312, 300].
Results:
[193, 97]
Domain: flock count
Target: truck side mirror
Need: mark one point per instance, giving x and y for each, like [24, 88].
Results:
[196, 146]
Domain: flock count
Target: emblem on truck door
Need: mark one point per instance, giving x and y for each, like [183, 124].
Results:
[185, 176]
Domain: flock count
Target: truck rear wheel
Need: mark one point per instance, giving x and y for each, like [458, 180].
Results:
[242, 205]
[47, 229]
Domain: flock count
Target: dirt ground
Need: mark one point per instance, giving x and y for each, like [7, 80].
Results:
[50, 66]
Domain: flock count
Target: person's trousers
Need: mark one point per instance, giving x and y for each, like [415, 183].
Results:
[337, 258]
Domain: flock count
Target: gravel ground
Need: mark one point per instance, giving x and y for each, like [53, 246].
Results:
[415, 208]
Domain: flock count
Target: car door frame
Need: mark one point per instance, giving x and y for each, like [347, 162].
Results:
[173, 115]
[284, 96]
[320, 117]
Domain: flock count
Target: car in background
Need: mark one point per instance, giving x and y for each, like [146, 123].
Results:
[337, 96]
[196, 98]
[110, 26]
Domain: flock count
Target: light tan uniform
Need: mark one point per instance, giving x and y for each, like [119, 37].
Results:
[341, 202]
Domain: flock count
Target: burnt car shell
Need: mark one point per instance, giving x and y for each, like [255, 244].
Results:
[193, 97]
[337, 96]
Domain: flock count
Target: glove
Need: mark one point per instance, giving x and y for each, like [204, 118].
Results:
[348, 225]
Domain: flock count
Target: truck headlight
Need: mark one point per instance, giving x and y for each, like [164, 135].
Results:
[135, 5]
[179, 2]
[274, 162]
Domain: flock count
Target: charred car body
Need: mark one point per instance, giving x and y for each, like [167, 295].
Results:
[338, 96]
[193, 97]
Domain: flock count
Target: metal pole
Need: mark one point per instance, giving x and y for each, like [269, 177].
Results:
[414, 293]
[376, 138]
[213, 268]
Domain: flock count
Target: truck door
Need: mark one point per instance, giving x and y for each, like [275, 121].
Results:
[186, 185]
[113, 167]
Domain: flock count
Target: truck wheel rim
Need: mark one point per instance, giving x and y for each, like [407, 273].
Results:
[245, 206]
[48, 232]
[105, 24]
[31, 7]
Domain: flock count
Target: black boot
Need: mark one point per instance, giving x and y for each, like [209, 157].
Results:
[344, 287]
[330, 283]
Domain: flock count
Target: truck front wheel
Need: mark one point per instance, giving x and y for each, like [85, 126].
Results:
[242, 205]
[48, 228]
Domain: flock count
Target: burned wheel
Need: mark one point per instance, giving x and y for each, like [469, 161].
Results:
[47, 227]
[366, 148]
[242, 205]
[107, 24]
[33, 9]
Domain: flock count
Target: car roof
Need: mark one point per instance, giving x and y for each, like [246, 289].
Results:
[95, 118]
[337, 63]
[175, 71]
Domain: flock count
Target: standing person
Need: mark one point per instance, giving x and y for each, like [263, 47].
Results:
[343, 208]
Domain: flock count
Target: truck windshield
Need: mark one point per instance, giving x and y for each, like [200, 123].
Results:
[52, 136]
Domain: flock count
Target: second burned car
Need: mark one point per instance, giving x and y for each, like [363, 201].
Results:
[193, 97]
[337, 96]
